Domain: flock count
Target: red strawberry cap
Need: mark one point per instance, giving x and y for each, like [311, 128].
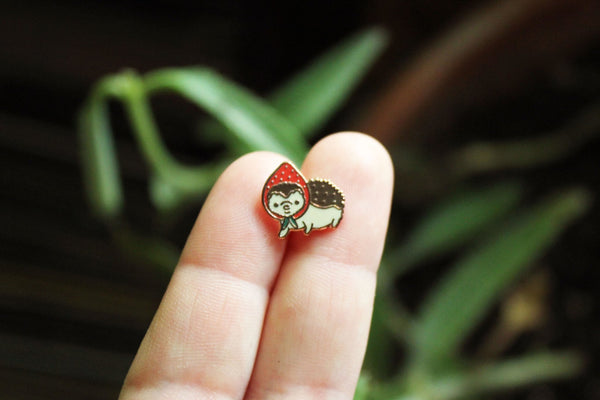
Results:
[285, 173]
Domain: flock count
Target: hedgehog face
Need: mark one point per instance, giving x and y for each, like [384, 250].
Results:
[286, 206]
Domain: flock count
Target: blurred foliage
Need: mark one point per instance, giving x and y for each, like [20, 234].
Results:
[493, 234]
[247, 122]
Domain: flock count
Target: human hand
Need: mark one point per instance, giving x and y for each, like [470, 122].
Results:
[250, 316]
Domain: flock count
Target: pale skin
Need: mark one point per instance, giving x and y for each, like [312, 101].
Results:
[250, 316]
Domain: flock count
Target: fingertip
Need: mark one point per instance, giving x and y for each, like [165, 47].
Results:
[362, 169]
[363, 152]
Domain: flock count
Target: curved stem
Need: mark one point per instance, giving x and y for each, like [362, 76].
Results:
[184, 178]
[98, 156]
[100, 165]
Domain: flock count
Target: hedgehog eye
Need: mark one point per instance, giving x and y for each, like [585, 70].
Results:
[296, 202]
[275, 205]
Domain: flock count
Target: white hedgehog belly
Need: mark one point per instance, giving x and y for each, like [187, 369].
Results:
[316, 217]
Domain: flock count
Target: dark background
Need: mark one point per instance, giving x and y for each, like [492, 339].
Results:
[73, 308]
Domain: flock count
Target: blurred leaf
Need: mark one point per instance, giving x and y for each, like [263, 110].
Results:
[477, 158]
[380, 357]
[391, 324]
[178, 182]
[362, 388]
[98, 158]
[164, 195]
[256, 126]
[174, 184]
[453, 223]
[509, 374]
[314, 94]
[252, 124]
[481, 379]
[463, 297]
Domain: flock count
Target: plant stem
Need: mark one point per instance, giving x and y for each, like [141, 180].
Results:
[510, 374]
[480, 380]
[484, 157]
[98, 156]
[185, 179]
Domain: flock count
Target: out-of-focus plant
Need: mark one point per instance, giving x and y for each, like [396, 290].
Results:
[282, 123]
[245, 122]
[511, 241]
[498, 237]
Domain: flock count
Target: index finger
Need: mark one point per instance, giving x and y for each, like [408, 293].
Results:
[203, 340]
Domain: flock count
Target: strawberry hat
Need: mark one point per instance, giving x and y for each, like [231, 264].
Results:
[285, 173]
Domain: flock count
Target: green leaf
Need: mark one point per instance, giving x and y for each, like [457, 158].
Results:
[310, 97]
[98, 158]
[164, 195]
[362, 388]
[313, 95]
[508, 374]
[391, 324]
[459, 302]
[192, 183]
[177, 181]
[379, 358]
[252, 124]
[453, 223]
[479, 380]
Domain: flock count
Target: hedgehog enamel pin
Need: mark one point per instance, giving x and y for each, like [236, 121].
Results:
[301, 205]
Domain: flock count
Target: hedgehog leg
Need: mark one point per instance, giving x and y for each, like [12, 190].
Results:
[336, 220]
[283, 233]
[308, 228]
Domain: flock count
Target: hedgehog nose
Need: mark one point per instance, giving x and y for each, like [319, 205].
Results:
[286, 207]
